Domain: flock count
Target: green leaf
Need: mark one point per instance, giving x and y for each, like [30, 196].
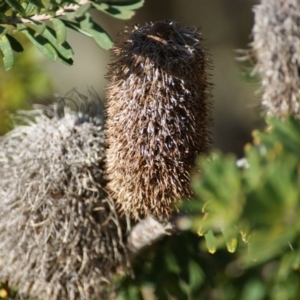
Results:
[290, 261]
[79, 12]
[113, 11]
[74, 26]
[60, 30]
[211, 242]
[133, 4]
[88, 27]
[37, 3]
[132, 293]
[120, 10]
[42, 44]
[4, 7]
[265, 245]
[15, 5]
[173, 286]
[99, 35]
[254, 290]
[63, 49]
[16, 46]
[196, 275]
[66, 61]
[39, 28]
[3, 31]
[231, 239]
[29, 9]
[8, 55]
[172, 264]
[3, 17]
[284, 132]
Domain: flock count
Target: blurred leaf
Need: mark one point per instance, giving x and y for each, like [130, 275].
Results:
[286, 132]
[8, 55]
[37, 3]
[39, 28]
[4, 7]
[3, 17]
[231, 239]
[173, 286]
[222, 200]
[24, 83]
[196, 276]
[120, 10]
[254, 290]
[100, 36]
[66, 61]
[129, 5]
[16, 46]
[211, 242]
[172, 264]
[79, 12]
[3, 31]
[264, 245]
[15, 5]
[244, 230]
[131, 293]
[75, 26]
[60, 30]
[29, 8]
[289, 262]
[63, 49]
[42, 44]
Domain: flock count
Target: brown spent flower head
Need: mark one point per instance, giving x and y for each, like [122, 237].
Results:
[158, 116]
[276, 44]
[60, 235]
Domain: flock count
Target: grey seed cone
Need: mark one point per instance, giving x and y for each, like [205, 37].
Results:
[158, 116]
[276, 44]
[60, 235]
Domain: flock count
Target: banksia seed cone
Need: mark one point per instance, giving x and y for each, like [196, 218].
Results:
[157, 116]
[60, 236]
[276, 45]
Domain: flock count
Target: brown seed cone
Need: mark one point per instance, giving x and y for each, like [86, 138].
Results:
[158, 116]
[60, 235]
[276, 44]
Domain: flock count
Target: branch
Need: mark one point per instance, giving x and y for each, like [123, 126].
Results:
[45, 17]
[146, 233]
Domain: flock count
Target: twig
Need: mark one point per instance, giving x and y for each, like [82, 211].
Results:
[146, 233]
[44, 17]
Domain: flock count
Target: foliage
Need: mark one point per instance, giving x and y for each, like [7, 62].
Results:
[45, 25]
[256, 204]
[246, 215]
[22, 85]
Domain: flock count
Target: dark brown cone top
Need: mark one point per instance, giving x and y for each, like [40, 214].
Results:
[158, 117]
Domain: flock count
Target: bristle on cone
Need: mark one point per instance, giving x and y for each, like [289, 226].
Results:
[60, 235]
[158, 116]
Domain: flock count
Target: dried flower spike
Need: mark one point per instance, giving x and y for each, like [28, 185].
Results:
[158, 116]
[276, 45]
[60, 235]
